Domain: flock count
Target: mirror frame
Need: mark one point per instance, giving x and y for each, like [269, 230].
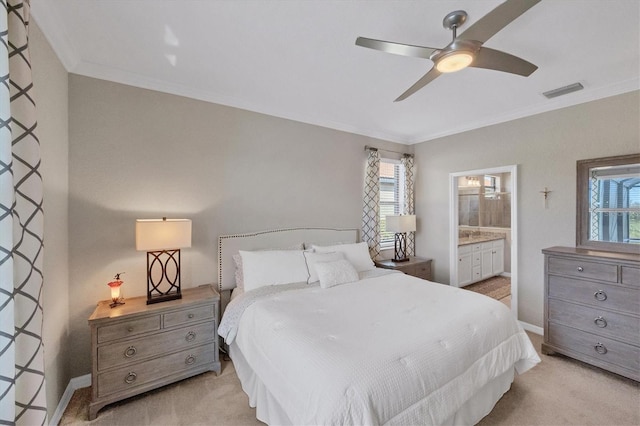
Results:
[582, 204]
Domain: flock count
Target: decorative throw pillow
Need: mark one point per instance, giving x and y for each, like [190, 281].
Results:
[356, 253]
[313, 258]
[336, 273]
[273, 267]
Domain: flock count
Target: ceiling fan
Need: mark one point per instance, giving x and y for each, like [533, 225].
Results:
[466, 50]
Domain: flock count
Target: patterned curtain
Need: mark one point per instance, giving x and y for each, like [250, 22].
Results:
[409, 180]
[371, 201]
[22, 385]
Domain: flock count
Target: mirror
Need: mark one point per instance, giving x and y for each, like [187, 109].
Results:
[485, 200]
[608, 204]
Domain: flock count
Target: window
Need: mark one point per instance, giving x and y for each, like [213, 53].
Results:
[608, 214]
[391, 196]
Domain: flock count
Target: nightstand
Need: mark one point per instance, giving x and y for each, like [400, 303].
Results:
[416, 266]
[137, 347]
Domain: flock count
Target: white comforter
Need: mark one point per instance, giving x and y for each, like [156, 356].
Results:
[389, 349]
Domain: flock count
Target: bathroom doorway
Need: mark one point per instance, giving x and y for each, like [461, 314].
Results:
[483, 227]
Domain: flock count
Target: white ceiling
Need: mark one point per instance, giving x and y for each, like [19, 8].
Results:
[298, 59]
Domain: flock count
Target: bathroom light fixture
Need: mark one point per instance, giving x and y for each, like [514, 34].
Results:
[400, 225]
[162, 239]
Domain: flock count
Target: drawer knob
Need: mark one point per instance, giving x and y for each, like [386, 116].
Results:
[190, 360]
[190, 336]
[190, 316]
[600, 348]
[130, 351]
[130, 378]
[130, 329]
[600, 322]
[580, 269]
[600, 295]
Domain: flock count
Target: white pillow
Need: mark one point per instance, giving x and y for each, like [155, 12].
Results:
[237, 260]
[273, 267]
[313, 258]
[335, 273]
[357, 254]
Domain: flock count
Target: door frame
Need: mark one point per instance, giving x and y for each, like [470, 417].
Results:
[453, 226]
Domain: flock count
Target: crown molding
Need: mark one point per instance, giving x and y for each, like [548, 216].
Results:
[572, 99]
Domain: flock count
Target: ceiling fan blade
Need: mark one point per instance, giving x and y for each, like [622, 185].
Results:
[396, 48]
[426, 79]
[497, 19]
[500, 61]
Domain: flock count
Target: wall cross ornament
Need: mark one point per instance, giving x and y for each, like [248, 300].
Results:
[546, 193]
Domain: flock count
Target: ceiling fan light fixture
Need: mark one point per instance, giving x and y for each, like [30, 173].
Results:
[454, 61]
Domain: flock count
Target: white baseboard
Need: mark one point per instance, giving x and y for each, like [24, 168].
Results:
[74, 384]
[506, 274]
[532, 328]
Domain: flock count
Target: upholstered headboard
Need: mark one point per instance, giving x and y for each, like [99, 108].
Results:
[228, 245]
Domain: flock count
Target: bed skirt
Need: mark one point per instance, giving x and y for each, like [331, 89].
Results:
[268, 410]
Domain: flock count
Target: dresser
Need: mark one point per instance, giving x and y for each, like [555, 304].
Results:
[137, 347]
[416, 266]
[592, 308]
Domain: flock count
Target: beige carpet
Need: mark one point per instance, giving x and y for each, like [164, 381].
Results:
[494, 287]
[558, 391]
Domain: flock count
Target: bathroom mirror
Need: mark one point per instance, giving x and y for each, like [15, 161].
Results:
[608, 204]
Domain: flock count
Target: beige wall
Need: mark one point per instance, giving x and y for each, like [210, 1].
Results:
[137, 153]
[51, 93]
[545, 147]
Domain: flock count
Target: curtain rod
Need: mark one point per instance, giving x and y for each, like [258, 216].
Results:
[371, 148]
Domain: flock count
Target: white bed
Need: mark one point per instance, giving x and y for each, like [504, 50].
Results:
[385, 349]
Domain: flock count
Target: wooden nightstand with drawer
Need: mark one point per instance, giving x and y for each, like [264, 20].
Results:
[138, 347]
[416, 266]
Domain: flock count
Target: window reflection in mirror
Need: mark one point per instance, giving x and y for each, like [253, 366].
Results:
[609, 203]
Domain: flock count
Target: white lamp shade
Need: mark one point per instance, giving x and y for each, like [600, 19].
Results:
[162, 234]
[400, 224]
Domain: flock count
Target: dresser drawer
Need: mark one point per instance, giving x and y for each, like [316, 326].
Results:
[128, 328]
[631, 276]
[583, 269]
[407, 269]
[593, 320]
[601, 348]
[186, 316]
[128, 377]
[423, 271]
[132, 351]
[595, 294]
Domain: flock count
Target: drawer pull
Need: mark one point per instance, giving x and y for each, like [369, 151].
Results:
[130, 378]
[580, 269]
[130, 351]
[190, 316]
[130, 329]
[190, 360]
[600, 322]
[600, 348]
[600, 295]
[190, 336]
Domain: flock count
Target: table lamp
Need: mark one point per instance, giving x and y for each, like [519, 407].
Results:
[400, 225]
[162, 239]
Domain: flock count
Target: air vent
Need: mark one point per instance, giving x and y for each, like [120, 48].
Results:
[563, 90]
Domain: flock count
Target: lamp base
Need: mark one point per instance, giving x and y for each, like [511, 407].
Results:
[163, 276]
[400, 247]
[164, 298]
[114, 304]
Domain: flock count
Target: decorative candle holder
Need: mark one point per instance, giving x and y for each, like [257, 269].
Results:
[116, 299]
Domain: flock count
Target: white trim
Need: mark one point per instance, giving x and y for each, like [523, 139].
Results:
[453, 226]
[532, 328]
[74, 384]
